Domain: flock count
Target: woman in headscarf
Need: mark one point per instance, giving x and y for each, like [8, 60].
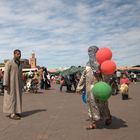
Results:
[97, 109]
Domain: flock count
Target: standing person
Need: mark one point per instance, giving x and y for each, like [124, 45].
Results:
[118, 75]
[97, 109]
[41, 80]
[46, 78]
[124, 88]
[68, 83]
[62, 83]
[135, 78]
[1, 74]
[1, 82]
[12, 104]
[132, 76]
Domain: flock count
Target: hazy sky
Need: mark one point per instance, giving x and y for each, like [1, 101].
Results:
[60, 31]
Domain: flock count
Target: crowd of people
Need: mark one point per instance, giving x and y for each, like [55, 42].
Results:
[38, 79]
[42, 79]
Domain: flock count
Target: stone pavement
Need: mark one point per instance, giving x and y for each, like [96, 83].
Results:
[51, 115]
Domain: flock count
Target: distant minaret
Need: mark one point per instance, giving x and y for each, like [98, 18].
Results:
[33, 61]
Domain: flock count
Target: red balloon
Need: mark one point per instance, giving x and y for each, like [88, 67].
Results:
[108, 67]
[103, 54]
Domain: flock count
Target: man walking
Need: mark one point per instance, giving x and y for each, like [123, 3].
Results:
[12, 104]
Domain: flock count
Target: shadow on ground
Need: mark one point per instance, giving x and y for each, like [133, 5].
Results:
[28, 113]
[117, 123]
[38, 92]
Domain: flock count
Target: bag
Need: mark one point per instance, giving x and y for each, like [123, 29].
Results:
[124, 89]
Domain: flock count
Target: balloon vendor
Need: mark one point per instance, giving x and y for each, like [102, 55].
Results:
[97, 105]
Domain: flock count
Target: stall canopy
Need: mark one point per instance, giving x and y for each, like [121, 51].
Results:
[72, 70]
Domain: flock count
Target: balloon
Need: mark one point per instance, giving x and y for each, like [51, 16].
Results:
[102, 91]
[84, 97]
[103, 54]
[108, 67]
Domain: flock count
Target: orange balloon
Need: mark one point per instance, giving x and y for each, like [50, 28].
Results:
[108, 67]
[103, 54]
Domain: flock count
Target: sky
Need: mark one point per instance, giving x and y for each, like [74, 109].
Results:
[60, 31]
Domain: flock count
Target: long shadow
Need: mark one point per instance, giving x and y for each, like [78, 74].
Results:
[28, 113]
[117, 123]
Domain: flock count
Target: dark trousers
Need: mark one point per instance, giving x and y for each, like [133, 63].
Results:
[42, 84]
[68, 87]
[47, 84]
[124, 96]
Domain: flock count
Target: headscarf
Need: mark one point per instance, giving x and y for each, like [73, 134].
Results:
[92, 58]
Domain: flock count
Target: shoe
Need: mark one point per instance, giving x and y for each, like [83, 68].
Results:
[19, 115]
[14, 117]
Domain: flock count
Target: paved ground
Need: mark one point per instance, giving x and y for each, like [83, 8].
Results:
[51, 115]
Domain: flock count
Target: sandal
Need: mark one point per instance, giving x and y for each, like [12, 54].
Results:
[91, 126]
[14, 117]
[108, 121]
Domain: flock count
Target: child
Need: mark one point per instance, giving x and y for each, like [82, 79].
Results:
[124, 82]
[62, 83]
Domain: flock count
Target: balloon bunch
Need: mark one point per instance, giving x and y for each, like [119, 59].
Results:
[103, 57]
[102, 90]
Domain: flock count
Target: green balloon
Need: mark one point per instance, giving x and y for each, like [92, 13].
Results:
[102, 91]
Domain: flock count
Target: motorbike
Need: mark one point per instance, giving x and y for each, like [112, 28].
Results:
[31, 86]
